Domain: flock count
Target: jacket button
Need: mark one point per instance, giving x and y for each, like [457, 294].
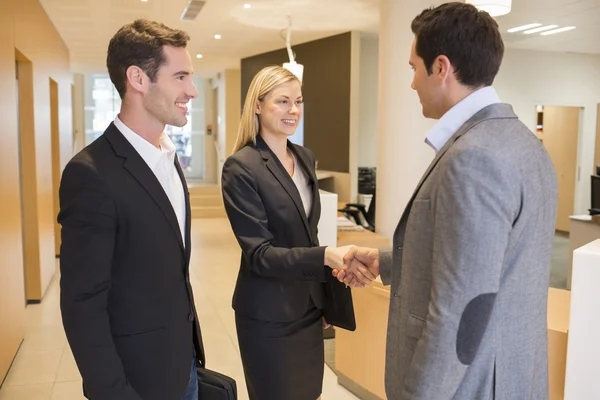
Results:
[191, 317]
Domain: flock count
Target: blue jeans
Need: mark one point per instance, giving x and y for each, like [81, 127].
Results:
[191, 393]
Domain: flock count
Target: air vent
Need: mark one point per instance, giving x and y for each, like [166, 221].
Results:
[192, 9]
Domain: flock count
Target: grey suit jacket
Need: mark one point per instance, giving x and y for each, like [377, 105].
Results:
[470, 266]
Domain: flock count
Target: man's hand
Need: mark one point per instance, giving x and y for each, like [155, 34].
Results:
[359, 262]
[337, 259]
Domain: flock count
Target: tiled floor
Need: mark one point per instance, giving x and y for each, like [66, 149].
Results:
[44, 368]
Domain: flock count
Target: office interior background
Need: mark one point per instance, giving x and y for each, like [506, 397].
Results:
[361, 119]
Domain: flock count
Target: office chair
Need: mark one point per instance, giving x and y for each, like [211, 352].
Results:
[360, 214]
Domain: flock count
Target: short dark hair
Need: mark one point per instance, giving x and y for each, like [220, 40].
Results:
[140, 43]
[468, 37]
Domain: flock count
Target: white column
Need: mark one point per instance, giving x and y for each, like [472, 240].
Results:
[583, 350]
[402, 155]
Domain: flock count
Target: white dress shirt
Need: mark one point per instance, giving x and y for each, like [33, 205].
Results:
[304, 188]
[451, 122]
[162, 163]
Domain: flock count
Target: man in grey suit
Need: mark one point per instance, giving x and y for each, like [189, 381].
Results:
[469, 270]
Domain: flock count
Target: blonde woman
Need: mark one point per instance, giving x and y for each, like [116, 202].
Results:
[272, 201]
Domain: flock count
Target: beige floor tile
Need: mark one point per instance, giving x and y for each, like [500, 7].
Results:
[67, 369]
[331, 389]
[44, 338]
[34, 368]
[67, 391]
[32, 392]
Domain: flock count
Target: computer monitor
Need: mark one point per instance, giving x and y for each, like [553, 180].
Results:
[595, 195]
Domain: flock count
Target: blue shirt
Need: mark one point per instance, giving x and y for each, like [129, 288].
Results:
[451, 122]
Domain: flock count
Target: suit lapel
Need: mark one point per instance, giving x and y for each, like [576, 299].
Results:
[494, 111]
[137, 167]
[280, 173]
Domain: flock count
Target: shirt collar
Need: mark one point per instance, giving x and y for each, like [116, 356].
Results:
[451, 122]
[146, 150]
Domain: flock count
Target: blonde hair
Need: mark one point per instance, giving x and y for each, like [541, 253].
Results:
[263, 82]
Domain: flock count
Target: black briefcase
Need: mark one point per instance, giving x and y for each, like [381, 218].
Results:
[213, 385]
[338, 308]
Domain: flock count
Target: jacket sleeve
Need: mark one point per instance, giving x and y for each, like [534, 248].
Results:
[385, 266]
[250, 225]
[474, 210]
[88, 219]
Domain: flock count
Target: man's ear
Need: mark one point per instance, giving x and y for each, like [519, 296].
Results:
[137, 78]
[442, 68]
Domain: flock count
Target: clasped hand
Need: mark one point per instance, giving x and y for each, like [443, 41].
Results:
[353, 266]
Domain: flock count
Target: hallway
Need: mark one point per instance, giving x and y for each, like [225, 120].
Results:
[44, 368]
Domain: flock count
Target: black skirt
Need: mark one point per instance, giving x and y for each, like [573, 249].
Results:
[282, 360]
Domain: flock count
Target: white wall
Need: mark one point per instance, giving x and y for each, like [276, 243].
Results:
[367, 134]
[529, 78]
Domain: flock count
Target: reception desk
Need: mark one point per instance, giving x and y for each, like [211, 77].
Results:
[583, 230]
[360, 355]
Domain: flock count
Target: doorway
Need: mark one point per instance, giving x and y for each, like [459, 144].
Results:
[28, 176]
[558, 129]
[597, 153]
[55, 149]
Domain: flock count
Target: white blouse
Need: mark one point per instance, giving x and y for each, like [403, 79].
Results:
[304, 188]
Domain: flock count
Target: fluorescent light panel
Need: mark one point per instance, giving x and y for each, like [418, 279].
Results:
[523, 28]
[559, 30]
[540, 29]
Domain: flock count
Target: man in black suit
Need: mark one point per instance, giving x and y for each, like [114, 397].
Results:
[126, 299]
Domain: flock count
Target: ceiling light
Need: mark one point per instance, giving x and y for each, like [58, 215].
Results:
[523, 27]
[292, 66]
[217, 36]
[559, 30]
[199, 56]
[495, 8]
[144, 1]
[540, 29]
[247, 5]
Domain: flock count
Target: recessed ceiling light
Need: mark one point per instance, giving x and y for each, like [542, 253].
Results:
[144, 1]
[199, 55]
[559, 30]
[247, 5]
[217, 36]
[523, 27]
[540, 29]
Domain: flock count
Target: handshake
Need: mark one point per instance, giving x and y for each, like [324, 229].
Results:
[353, 266]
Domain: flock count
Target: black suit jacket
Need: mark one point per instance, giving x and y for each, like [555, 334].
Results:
[126, 300]
[281, 264]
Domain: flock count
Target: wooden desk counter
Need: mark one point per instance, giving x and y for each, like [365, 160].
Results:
[360, 355]
[364, 239]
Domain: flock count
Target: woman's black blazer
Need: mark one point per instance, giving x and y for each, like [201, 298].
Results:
[282, 265]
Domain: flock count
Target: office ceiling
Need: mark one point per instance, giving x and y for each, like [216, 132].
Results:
[87, 25]
[583, 14]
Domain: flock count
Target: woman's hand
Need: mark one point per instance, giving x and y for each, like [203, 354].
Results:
[336, 259]
[334, 256]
